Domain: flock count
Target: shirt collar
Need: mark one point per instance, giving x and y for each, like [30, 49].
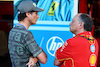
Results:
[84, 33]
[21, 25]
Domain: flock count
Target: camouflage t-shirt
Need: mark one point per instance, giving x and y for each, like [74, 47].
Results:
[21, 46]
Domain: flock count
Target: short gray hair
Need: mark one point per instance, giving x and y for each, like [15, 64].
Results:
[87, 20]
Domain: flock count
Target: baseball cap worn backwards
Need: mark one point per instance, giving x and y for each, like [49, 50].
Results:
[27, 6]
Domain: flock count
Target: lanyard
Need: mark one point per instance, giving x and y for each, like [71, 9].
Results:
[86, 37]
[21, 25]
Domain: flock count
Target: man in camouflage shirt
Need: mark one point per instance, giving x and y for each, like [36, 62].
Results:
[23, 48]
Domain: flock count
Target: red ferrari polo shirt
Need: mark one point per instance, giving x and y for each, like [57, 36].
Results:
[79, 51]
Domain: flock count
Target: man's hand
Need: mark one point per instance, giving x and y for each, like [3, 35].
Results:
[32, 61]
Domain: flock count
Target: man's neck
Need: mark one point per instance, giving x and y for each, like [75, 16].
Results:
[79, 32]
[26, 24]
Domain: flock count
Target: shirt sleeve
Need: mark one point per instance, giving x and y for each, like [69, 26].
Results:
[64, 52]
[32, 45]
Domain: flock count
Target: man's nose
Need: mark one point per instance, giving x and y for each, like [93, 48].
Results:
[37, 16]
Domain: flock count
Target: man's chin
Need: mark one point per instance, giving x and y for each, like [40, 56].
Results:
[71, 31]
[33, 23]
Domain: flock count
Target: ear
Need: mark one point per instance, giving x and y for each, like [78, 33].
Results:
[27, 14]
[81, 25]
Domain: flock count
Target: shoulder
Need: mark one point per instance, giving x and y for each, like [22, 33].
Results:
[76, 40]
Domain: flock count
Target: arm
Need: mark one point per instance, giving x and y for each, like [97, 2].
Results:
[34, 49]
[56, 62]
[42, 57]
[32, 61]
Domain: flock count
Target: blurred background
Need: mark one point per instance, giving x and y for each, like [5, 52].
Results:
[91, 7]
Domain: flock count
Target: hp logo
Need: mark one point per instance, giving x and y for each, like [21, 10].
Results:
[53, 44]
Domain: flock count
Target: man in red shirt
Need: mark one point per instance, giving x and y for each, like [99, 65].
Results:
[82, 49]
